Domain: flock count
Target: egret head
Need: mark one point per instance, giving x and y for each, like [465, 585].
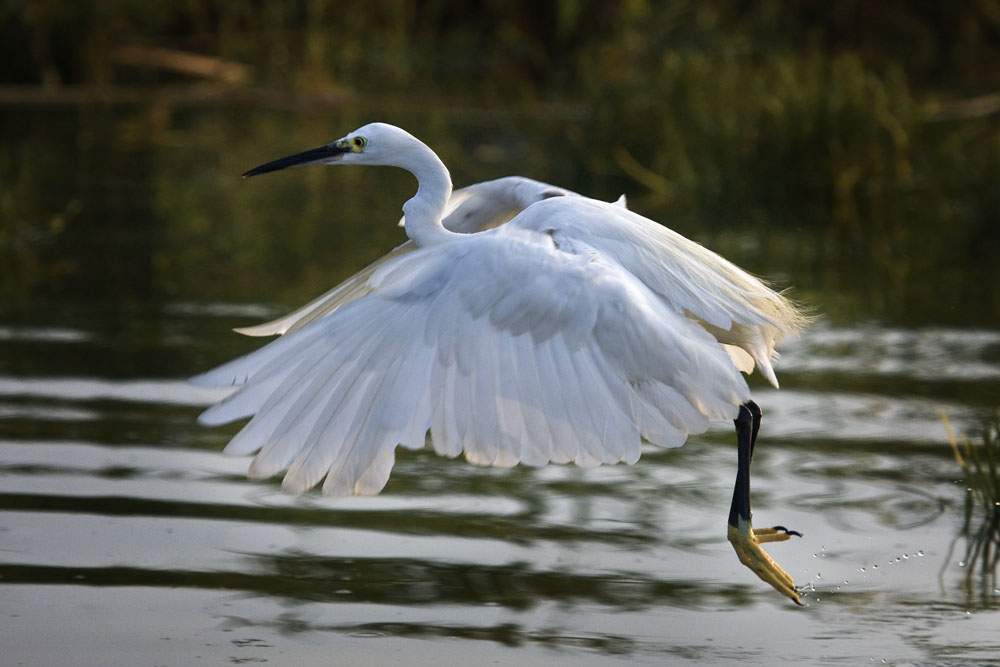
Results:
[375, 144]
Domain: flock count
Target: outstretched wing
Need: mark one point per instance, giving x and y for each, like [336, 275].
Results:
[471, 209]
[742, 312]
[502, 345]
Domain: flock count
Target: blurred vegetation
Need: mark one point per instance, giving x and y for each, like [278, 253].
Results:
[856, 144]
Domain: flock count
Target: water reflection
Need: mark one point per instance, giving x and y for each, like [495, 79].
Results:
[554, 557]
[113, 498]
[936, 354]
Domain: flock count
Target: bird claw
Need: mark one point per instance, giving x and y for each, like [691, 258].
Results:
[774, 534]
[746, 541]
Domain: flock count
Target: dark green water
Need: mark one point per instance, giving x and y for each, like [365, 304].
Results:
[131, 248]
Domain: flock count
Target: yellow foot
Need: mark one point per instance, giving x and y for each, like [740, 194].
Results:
[746, 541]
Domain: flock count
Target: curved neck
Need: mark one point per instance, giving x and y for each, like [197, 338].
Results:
[425, 209]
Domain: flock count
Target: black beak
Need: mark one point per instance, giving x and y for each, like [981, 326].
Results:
[322, 154]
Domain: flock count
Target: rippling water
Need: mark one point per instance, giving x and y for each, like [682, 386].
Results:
[126, 537]
[129, 535]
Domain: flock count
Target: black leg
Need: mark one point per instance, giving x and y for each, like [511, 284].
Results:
[744, 538]
[755, 416]
[747, 424]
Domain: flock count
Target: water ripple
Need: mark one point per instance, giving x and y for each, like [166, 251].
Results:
[933, 353]
[172, 392]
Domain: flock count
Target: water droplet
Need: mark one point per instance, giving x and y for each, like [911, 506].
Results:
[905, 557]
[862, 569]
[874, 567]
[819, 576]
[961, 563]
[920, 553]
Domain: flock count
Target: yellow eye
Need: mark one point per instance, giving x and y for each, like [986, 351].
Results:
[358, 144]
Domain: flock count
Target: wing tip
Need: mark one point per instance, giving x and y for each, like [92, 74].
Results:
[275, 328]
[205, 380]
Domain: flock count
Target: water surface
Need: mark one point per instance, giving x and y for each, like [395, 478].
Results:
[127, 538]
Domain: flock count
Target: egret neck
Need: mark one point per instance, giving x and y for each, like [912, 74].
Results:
[426, 208]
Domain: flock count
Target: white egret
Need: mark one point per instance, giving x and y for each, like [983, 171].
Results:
[571, 333]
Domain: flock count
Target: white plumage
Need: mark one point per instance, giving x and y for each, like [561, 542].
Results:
[568, 334]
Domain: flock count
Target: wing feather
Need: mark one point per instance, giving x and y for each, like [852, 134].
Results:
[565, 441]
[505, 347]
[484, 447]
[375, 477]
[446, 436]
[738, 309]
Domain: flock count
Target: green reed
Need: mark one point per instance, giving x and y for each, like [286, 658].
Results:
[980, 463]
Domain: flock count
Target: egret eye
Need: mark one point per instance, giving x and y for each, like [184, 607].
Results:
[359, 143]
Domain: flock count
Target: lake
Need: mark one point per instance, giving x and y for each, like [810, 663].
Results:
[132, 248]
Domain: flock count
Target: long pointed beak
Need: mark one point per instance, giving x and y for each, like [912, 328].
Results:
[324, 154]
